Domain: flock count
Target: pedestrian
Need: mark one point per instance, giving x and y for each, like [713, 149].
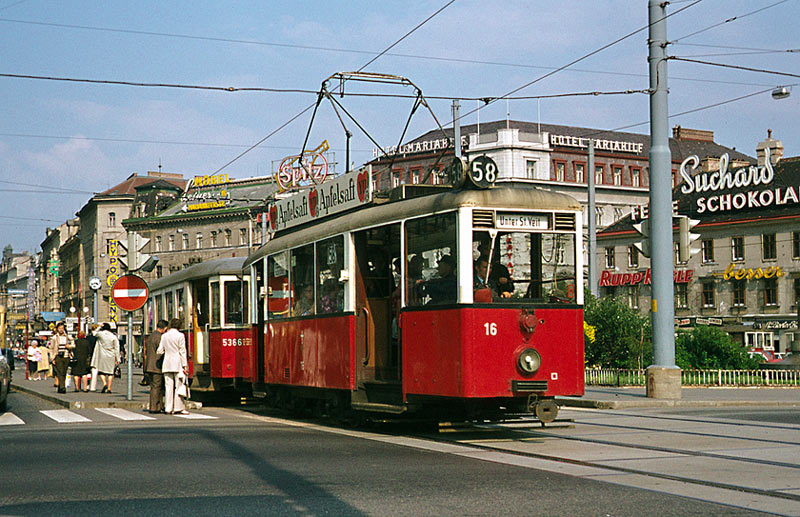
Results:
[152, 367]
[92, 344]
[174, 368]
[33, 361]
[80, 363]
[44, 358]
[106, 356]
[61, 346]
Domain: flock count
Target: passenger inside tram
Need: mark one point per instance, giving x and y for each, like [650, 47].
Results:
[304, 303]
[443, 288]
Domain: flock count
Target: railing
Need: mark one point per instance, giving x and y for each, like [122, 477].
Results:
[733, 378]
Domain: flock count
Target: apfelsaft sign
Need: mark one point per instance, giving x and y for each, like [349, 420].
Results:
[343, 193]
[753, 183]
[610, 279]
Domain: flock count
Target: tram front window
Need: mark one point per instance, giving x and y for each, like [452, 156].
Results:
[431, 271]
[521, 266]
[235, 302]
[278, 285]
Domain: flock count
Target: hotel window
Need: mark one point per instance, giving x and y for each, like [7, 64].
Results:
[708, 295]
[795, 245]
[610, 262]
[681, 296]
[770, 291]
[633, 296]
[171, 243]
[738, 293]
[561, 171]
[112, 219]
[185, 240]
[617, 175]
[214, 239]
[708, 251]
[158, 243]
[598, 174]
[436, 174]
[415, 177]
[199, 240]
[737, 249]
[227, 237]
[633, 257]
[768, 249]
[395, 179]
[636, 175]
[530, 169]
[242, 236]
[579, 168]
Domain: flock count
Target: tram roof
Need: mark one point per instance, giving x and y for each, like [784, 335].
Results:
[224, 266]
[494, 198]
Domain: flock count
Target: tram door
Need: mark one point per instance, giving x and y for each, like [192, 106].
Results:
[260, 286]
[200, 324]
[377, 276]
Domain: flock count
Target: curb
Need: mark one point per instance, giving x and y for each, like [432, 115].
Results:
[81, 404]
[661, 403]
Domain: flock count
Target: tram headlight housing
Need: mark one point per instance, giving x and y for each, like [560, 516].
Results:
[529, 361]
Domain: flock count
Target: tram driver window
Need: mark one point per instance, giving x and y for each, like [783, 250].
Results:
[330, 262]
[216, 320]
[302, 280]
[235, 302]
[278, 285]
[431, 272]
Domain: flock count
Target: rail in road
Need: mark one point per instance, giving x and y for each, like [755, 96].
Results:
[752, 465]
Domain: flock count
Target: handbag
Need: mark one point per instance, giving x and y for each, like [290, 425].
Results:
[117, 371]
[183, 390]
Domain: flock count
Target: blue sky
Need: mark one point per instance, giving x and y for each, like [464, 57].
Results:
[63, 137]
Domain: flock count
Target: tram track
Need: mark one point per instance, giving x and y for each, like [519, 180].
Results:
[604, 465]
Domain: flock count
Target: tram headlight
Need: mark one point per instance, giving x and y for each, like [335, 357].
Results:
[529, 361]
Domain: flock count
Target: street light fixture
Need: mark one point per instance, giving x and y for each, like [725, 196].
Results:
[781, 92]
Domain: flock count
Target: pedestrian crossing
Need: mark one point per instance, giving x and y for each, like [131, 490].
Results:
[68, 416]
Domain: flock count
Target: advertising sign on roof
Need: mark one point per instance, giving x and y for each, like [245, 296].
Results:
[343, 193]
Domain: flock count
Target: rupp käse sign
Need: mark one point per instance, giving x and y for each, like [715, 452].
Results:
[343, 193]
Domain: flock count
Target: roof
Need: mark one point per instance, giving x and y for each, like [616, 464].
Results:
[128, 187]
[786, 181]
[680, 149]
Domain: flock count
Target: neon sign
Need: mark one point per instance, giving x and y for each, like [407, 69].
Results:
[313, 169]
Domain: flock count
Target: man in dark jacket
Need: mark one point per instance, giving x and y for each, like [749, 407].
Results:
[152, 367]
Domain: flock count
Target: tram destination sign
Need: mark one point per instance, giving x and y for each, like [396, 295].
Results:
[332, 197]
[518, 221]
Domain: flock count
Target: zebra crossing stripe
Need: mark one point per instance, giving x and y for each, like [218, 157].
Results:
[197, 416]
[10, 419]
[64, 416]
[123, 414]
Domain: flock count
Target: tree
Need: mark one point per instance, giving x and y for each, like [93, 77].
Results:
[622, 335]
[710, 347]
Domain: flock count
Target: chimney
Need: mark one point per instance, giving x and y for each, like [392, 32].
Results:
[775, 150]
[684, 133]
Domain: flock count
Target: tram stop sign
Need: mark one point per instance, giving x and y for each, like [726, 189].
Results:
[130, 292]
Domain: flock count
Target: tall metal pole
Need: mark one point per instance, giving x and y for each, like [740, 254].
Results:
[663, 377]
[129, 350]
[457, 128]
[592, 216]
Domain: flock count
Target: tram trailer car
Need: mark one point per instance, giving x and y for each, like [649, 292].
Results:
[211, 301]
[385, 309]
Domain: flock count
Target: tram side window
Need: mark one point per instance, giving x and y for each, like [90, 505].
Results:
[159, 307]
[181, 303]
[525, 266]
[431, 272]
[235, 302]
[215, 305]
[170, 298]
[302, 280]
[330, 262]
[278, 285]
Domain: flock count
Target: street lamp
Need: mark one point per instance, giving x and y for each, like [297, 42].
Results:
[781, 92]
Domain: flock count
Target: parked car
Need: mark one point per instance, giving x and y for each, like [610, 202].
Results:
[9, 354]
[5, 382]
[765, 356]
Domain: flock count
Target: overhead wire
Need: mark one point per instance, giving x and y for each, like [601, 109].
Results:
[59, 189]
[728, 20]
[737, 67]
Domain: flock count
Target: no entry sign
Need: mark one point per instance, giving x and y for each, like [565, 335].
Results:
[129, 292]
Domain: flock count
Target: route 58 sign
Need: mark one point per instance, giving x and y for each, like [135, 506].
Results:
[482, 172]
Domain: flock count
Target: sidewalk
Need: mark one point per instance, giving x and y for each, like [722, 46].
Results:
[602, 397]
[72, 399]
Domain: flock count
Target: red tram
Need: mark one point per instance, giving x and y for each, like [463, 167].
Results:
[451, 305]
[211, 300]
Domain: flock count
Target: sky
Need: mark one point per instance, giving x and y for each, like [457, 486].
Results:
[60, 141]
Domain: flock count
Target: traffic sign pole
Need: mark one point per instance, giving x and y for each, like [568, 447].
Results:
[130, 293]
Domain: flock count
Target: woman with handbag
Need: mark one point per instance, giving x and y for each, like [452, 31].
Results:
[80, 363]
[106, 356]
[174, 368]
[61, 346]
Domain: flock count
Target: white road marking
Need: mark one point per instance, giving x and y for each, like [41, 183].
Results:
[64, 416]
[10, 419]
[197, 416]
[123, 414]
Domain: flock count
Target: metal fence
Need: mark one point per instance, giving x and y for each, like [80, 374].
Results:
[733, 378]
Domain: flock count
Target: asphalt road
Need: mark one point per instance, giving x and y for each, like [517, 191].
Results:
[241, 464]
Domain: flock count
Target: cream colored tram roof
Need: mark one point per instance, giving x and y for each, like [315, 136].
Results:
[501, 198]
[224, 266]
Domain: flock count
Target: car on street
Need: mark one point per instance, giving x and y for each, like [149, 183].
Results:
[5, 382]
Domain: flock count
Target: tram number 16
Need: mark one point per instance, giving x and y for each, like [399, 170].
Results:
[491, 328]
